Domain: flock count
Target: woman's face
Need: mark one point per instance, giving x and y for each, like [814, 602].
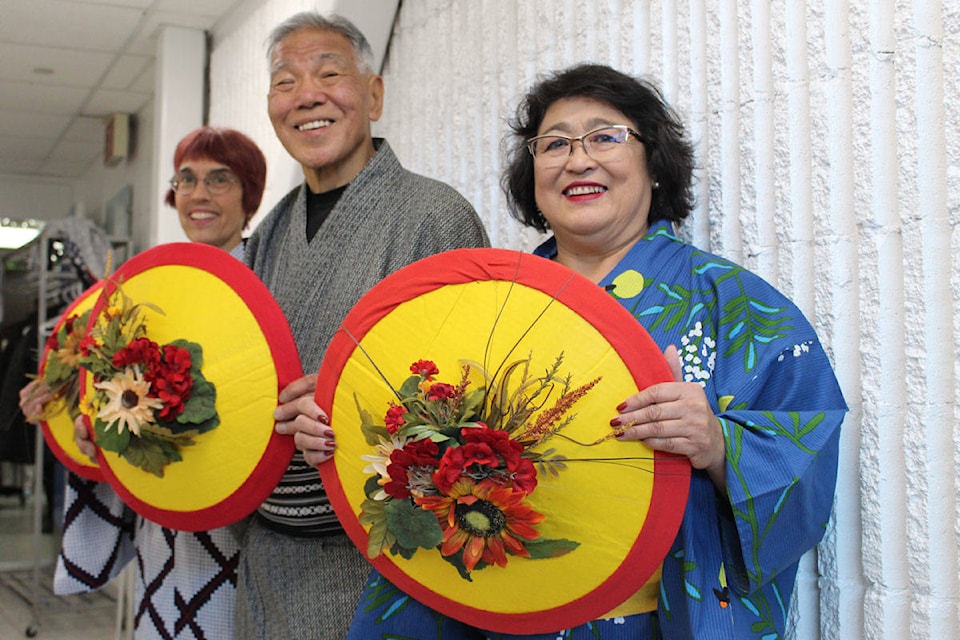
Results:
[214, 219]
[592, 205]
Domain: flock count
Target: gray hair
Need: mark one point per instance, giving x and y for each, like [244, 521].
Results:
[333, 22]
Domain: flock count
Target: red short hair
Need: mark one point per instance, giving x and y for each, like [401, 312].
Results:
[231, 148]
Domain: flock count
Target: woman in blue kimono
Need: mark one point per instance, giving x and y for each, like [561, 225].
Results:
[601, 162]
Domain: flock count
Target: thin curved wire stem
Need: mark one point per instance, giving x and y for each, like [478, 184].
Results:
[373, 364]
[526, 331]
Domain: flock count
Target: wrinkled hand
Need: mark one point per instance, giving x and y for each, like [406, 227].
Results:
[81, 438]
[300, 416]
[677, 418]
[32, 398]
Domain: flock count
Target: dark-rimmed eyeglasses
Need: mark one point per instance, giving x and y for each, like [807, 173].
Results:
[598, 144]
[217, 182]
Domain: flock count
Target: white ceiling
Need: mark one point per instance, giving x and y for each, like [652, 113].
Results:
[65, 65]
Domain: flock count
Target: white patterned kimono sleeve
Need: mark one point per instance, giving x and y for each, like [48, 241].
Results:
[92, 511]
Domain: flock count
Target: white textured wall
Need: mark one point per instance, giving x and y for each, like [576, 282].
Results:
[828, 132]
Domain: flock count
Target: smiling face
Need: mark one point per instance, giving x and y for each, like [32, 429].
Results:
[593, 206]
[216, 220]
[321, 105]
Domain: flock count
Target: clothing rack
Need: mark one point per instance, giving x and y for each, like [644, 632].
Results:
[59, 274]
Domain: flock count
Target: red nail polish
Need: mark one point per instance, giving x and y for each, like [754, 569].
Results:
[615, 422]
[621, 406]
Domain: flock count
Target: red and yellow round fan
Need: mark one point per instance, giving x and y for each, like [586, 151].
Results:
[456, 522]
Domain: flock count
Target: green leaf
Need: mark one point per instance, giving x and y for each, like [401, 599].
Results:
[410, 387]
[196, 353]
[371, 431]
[414, 527]
[157, 431]
[202, 405]
[423, 431]
[379, 537]
[55, 371]
[372, 486]
[403, 552]
[547, 548]
[151, 455]
[189, 427]
[471, 405]
[109, 439]
[457, 561]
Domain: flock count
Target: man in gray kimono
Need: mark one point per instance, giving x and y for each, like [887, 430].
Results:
[357, 217]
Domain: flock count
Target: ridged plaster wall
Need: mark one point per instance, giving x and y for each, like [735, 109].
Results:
[828, 135]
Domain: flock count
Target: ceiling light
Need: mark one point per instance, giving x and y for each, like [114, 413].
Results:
[16, 233]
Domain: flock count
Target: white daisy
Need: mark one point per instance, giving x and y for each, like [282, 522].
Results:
[128, 404]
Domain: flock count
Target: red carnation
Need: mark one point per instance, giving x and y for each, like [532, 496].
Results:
[87, 344]
[521, 471]
[441, 391]
[416, 460]
[456, 460]
[394, 419]
[142, 351]
[170, 380]
[425, 368]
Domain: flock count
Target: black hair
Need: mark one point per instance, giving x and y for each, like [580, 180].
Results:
[669, 154]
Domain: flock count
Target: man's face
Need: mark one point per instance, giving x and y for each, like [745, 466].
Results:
[321, 105]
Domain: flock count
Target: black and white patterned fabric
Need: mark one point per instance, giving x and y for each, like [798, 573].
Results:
[186, 581]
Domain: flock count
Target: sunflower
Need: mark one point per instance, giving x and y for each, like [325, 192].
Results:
[484, 520]
[127, 401]
[69, 351]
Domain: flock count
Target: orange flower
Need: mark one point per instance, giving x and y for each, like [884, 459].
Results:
[484, 520]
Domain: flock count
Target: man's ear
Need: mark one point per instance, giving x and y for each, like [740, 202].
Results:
[375, 87]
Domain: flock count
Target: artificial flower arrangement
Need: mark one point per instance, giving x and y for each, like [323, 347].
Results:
[148, 400]
[62, 368]
[454, 466]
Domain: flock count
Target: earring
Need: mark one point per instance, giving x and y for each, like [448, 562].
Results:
[656, 185]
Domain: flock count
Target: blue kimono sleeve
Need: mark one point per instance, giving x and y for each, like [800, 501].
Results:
[782, 432]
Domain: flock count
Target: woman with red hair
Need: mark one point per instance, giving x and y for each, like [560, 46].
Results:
[217, 185]
[185, 580]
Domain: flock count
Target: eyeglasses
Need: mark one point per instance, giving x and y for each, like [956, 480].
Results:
[598, 144]
[217, 182]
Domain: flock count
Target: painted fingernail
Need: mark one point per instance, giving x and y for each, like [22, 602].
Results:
[621, 406]
[615, 422]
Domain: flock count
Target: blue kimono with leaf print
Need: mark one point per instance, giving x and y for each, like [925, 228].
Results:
[730, 572]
